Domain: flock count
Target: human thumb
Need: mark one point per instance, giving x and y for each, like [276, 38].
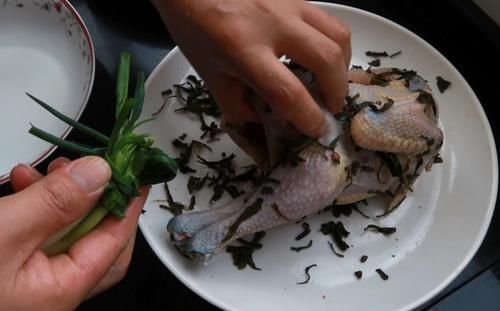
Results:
[55, 201]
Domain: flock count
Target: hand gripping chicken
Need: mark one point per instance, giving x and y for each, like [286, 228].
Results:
[385, 137]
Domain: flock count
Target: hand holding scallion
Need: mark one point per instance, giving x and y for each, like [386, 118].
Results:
[43, 205]
[133, 159]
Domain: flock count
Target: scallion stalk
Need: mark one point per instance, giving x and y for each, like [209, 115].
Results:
[132, 158]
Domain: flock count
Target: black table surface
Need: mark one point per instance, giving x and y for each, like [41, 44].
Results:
[458, 29]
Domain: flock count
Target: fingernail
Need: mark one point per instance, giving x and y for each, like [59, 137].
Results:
[91, 173]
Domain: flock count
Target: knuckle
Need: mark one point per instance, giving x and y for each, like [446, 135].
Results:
[285, 93]
[58, 196]
[330, 55]
[344, 34]
[264, 7]
[229, 37]
[57, 163]
[222, 9]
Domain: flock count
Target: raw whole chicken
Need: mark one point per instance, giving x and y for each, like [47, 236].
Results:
[385, 137]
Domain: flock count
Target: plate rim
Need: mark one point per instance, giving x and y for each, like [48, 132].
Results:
[494, 156]
[487, 130]
[47, 152]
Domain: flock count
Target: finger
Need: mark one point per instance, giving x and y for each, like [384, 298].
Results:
[51, 204]
[118, 270]
[58, 163]
[89, 259]
[231, 94]
[359, 76]
[283, 91]
[318, 53]
[332, 27]
[22, 176]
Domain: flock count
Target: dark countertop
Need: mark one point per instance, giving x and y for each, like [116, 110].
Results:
[458, 29]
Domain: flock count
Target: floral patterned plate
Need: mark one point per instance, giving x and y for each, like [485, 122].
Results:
[45, 50]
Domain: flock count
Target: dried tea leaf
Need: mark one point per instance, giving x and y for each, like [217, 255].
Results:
[376, 54]
[382, 274]
[438, 159]
[395, 54]
[301, 248]
[172, 206]
[338, 233]
[247, 213]
[308, 276]
[192, 202]
[442, 84]
[255, 242]
[383, 230]
[304, 233]
[345, 209]
[334, 251]
[243, 255]
[358, 274]
[266, 190]
[196, 184]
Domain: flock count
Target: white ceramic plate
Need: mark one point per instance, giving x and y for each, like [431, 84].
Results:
[46, 50]
[439, 227]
